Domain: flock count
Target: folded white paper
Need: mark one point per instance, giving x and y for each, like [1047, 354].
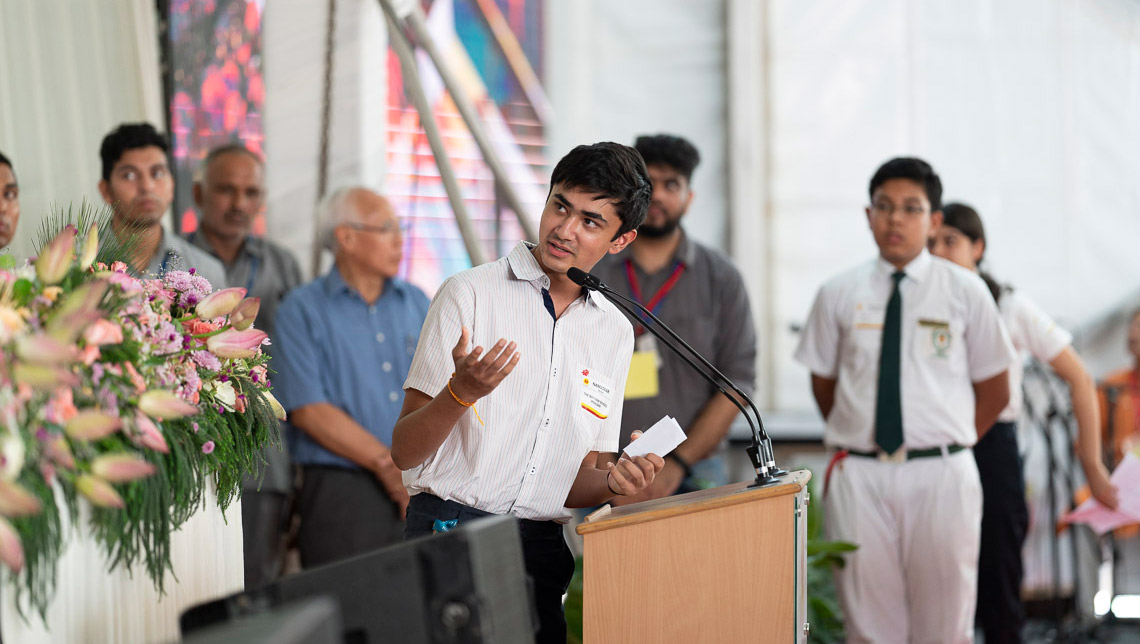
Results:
[660, 439]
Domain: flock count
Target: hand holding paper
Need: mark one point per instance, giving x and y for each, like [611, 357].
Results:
[660, 439]
[1126, 478]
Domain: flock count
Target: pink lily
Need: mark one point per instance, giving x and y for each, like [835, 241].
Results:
[43, 377]
[11, 552]
[92, 424]
[98, 491]
[59, 452]
[102, 332]
[43, 349]
[121, 467]
[219, 303]
[160, 404]
[55, 258]
[148, 435]
[15, 501]
[236, 344]
[242, 316]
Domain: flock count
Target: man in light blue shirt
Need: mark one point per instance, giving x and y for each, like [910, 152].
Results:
[343, 348]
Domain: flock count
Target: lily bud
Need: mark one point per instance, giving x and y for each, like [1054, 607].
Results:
[161, 404]
[121, 467]
[43, 349]
[15, 501]
[232, 343]
[43, 377]
[278, 410]
[90, 247]
[92, 424]
[60, 453]
[55, 258]
[219, 303]
[149, 435]
[242, 316]
[11, 552]
[98, 491]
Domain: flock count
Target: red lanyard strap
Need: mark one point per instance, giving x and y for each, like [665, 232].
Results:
[658, 297]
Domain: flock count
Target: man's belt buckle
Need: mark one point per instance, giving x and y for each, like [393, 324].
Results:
[898, 456]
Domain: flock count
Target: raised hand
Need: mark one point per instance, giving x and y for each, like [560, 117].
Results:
[476, 374]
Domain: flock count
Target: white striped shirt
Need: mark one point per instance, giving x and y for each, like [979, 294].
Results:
[563, 399]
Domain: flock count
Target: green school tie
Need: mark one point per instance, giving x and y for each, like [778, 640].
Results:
[888, 405]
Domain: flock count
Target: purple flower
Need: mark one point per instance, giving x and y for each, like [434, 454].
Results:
[208, 447]
[195, 427]
[206, 360]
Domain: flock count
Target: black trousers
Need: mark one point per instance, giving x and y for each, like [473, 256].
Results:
[545, 554]
[343, 513]
[1005, 520]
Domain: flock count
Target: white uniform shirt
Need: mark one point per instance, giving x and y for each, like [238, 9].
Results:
[563, 399]
[952, 336]
[1030, 330]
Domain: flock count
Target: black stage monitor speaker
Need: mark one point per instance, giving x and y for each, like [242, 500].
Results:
[467, 585]
[308, 621]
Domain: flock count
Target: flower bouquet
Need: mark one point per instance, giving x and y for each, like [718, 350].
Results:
[132, 394]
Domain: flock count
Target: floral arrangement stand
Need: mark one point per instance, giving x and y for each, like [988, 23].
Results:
[131, 411]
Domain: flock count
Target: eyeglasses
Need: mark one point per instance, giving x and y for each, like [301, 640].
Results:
[886, 209]
[387, 228]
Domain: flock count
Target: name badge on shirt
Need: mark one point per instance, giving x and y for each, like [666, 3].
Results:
[939, 336]
[597, 394]
[868, 316]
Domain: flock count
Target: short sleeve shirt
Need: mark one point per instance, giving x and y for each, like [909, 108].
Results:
[334, 347]
[562, 401]
[1031, 330]
[952, 337]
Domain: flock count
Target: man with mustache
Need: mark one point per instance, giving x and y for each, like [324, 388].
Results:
[700, 295]
[139, 187]
[9, 201]
[230, 194]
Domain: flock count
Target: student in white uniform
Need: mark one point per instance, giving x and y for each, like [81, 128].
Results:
[909, 364]
[1005, 517]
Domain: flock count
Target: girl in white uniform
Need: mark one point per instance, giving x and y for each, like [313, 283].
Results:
[962, 240]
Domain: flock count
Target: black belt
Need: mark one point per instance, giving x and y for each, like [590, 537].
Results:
[447, 510]
[908, 455]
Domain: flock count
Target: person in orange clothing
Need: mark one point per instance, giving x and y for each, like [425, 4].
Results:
[1124, 388]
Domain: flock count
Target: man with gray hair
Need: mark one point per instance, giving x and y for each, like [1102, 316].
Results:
[343, 348]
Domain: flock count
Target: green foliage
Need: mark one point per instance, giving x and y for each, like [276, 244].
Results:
[823, 557]
[112, 248]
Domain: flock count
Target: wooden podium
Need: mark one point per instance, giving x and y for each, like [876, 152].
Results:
[721, 565]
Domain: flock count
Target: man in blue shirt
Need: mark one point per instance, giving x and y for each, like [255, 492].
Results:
[343, 348]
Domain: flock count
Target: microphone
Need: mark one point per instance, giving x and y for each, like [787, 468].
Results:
[761, 452]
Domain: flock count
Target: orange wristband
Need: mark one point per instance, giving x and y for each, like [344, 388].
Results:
[463, 402]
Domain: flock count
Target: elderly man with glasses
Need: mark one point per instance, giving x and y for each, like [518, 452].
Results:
[343, 348]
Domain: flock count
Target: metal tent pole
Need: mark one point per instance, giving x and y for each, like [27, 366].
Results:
[410, 15]
[415, 91]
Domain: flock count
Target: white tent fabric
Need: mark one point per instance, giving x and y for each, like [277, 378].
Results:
[1029, 110]
[70, 71]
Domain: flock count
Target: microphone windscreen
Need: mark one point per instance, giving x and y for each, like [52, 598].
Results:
[578, 276]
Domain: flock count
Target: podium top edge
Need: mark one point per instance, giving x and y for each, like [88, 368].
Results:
[732, 494]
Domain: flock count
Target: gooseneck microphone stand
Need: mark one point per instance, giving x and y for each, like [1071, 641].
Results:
[760, 452]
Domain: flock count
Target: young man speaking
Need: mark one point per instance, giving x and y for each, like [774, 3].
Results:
[518, 429]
